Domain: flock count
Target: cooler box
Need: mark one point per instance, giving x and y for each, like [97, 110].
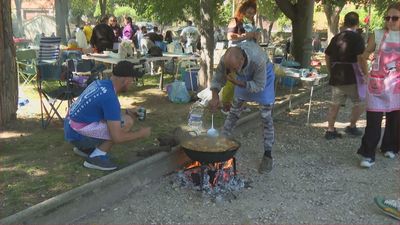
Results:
[194, 73]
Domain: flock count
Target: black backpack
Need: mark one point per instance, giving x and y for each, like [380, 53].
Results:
[155, 51]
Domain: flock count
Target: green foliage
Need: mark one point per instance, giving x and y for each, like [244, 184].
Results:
[224, 14]
[377, 14]
[126, 10]
[269, 10]
[284, 21]
[109, 9]
[164, 12]
[82, 7]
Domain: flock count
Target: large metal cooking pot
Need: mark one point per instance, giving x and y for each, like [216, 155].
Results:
[214, 152]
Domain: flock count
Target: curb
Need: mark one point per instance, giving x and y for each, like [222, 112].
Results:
[67, 207]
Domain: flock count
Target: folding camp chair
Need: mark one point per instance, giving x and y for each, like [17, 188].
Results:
[49, 50]
[26, 66]
[55, 87]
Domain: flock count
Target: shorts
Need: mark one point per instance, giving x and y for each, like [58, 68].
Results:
[341, 93]
[90, 142]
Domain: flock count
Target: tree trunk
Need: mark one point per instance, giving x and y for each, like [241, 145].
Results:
[61, 9]
[332, 16]
[271, 25]
[8, 70]
[301, 14]
[20, 29]
[207, 42]
[103, 6]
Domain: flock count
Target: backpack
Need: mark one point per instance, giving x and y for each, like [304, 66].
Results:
[155, 51]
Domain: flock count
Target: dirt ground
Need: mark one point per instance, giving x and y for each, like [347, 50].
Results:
[314, 181]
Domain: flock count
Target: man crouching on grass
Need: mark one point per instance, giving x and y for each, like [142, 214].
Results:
[96, 121]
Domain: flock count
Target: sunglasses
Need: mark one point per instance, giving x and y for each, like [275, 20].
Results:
[394, 18]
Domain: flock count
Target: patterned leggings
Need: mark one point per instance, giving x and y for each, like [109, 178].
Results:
[266, 118]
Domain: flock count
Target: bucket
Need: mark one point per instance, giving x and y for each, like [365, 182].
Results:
[278, 60]
[190, 78]
[289, 82]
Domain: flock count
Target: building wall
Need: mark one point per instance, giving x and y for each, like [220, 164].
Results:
[32, 8]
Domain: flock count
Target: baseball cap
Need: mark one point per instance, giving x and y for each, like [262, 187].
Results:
[124, 69]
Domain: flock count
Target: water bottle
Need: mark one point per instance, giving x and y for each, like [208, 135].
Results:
[195, 121]
[141, 112]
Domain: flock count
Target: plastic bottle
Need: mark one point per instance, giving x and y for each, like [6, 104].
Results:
[195, 121]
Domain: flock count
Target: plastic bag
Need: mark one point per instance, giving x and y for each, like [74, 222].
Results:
[81, 39]
[179, 93]
[205, 96]
[125, 49]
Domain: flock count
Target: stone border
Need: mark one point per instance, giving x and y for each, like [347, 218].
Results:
[67, 207]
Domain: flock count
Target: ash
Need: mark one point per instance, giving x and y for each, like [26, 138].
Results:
[219, 184]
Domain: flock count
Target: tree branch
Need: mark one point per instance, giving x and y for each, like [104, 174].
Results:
[287, 8]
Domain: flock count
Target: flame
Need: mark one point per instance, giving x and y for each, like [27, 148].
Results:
[228, 164]
[224, 165]
[193, 165]
[224, 170]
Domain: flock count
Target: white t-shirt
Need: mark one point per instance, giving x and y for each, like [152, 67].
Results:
[190, 34]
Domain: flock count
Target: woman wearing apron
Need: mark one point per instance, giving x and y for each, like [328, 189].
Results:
[383, 92]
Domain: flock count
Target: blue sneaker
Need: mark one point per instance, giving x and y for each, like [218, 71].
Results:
[101, 162]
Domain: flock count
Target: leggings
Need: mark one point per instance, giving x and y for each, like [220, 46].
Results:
[372, 134]
[266, 118]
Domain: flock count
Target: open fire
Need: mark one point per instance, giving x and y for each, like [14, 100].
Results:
[212, 178]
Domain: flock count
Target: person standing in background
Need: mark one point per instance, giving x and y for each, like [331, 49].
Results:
[236, 28]
[168, 37]
[129, 30]
[236, 34]
[103, 36]
[383, 92]
[189, 37]
[87, 29]
[342, 56]
[113, 23]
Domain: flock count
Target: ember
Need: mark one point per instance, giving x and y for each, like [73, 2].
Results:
[212, 178]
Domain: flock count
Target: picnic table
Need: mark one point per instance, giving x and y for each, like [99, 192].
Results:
[309, 79]
[112, 59]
